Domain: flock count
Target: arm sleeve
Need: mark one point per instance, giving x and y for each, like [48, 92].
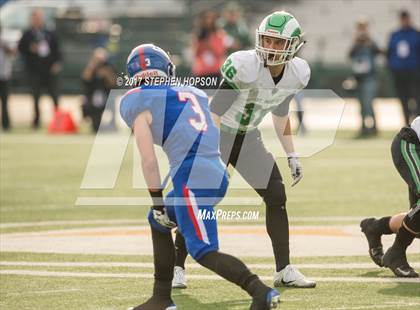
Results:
[283, 108]
[223, 98]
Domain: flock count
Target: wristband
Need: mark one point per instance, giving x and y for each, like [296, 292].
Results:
[157, 198]
[292, 155]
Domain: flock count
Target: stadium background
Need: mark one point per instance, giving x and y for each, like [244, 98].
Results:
[328, 25]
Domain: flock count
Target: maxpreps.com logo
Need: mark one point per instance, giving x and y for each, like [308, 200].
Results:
[220, 214]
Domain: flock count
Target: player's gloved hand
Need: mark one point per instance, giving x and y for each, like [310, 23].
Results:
[295, 168]
[160, 215]
[159, 211]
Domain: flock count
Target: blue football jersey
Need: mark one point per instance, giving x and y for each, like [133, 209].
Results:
[181, 123]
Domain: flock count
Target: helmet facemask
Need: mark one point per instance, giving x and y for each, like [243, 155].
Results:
[273, 57]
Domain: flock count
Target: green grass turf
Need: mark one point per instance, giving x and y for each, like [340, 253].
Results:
[25, 292]
[35, 292]
[40, 179]
[41, 175]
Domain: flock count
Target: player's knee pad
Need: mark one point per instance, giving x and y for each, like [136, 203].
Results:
[412, 219]
[275, 194]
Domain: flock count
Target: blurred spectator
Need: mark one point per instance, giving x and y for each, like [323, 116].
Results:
[113, 44]
[40, 50]
[299, 98]
[404, 61]
[208, 46]
[363, 54]
[237, 32]
[98, 79]
[6, 53]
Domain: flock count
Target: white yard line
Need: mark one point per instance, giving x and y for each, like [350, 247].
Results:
[44, 292]
[65, 223]
[146, 201]
[192, 276]
[383, 306]
[188, 266]
[131, 221]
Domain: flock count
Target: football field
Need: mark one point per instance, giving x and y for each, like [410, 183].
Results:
[59, 254]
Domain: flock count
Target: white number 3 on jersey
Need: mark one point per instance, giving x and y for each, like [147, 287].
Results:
[201, 124]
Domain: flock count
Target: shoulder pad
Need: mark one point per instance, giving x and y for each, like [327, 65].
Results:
[241, 68]
[301, 70]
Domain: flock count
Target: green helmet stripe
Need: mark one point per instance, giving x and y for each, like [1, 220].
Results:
[296, 32]
[278, 22]
[290, 28]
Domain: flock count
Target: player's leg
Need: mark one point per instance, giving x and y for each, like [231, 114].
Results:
[235, 271]
[404, 158]
[181, 254]
[277, 225]
[52, 87]
[164, 261]
[403, 91]
[258, 167]
[395, 257]
[299, 97]
[370, 94]
[201, 240]
[373, 230]
[249, 156]
[4, 93]
[230, 146]
[35, 84]
[361, 89]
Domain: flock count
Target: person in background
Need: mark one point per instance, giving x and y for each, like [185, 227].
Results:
[98, 79]
[40, 50]
[208, 47]
[113, 44]
[404, 62]
[237, 32]
[299, 98]
[363, 53]
[6, 53]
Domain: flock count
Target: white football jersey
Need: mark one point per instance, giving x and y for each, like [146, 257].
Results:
[259, 95]
[415, 125]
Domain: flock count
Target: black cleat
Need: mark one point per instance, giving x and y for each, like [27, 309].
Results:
[376, 251]
[268, 301]
[396, 260]
[156, 303]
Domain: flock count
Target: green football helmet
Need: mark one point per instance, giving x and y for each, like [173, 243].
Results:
[280, 25]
